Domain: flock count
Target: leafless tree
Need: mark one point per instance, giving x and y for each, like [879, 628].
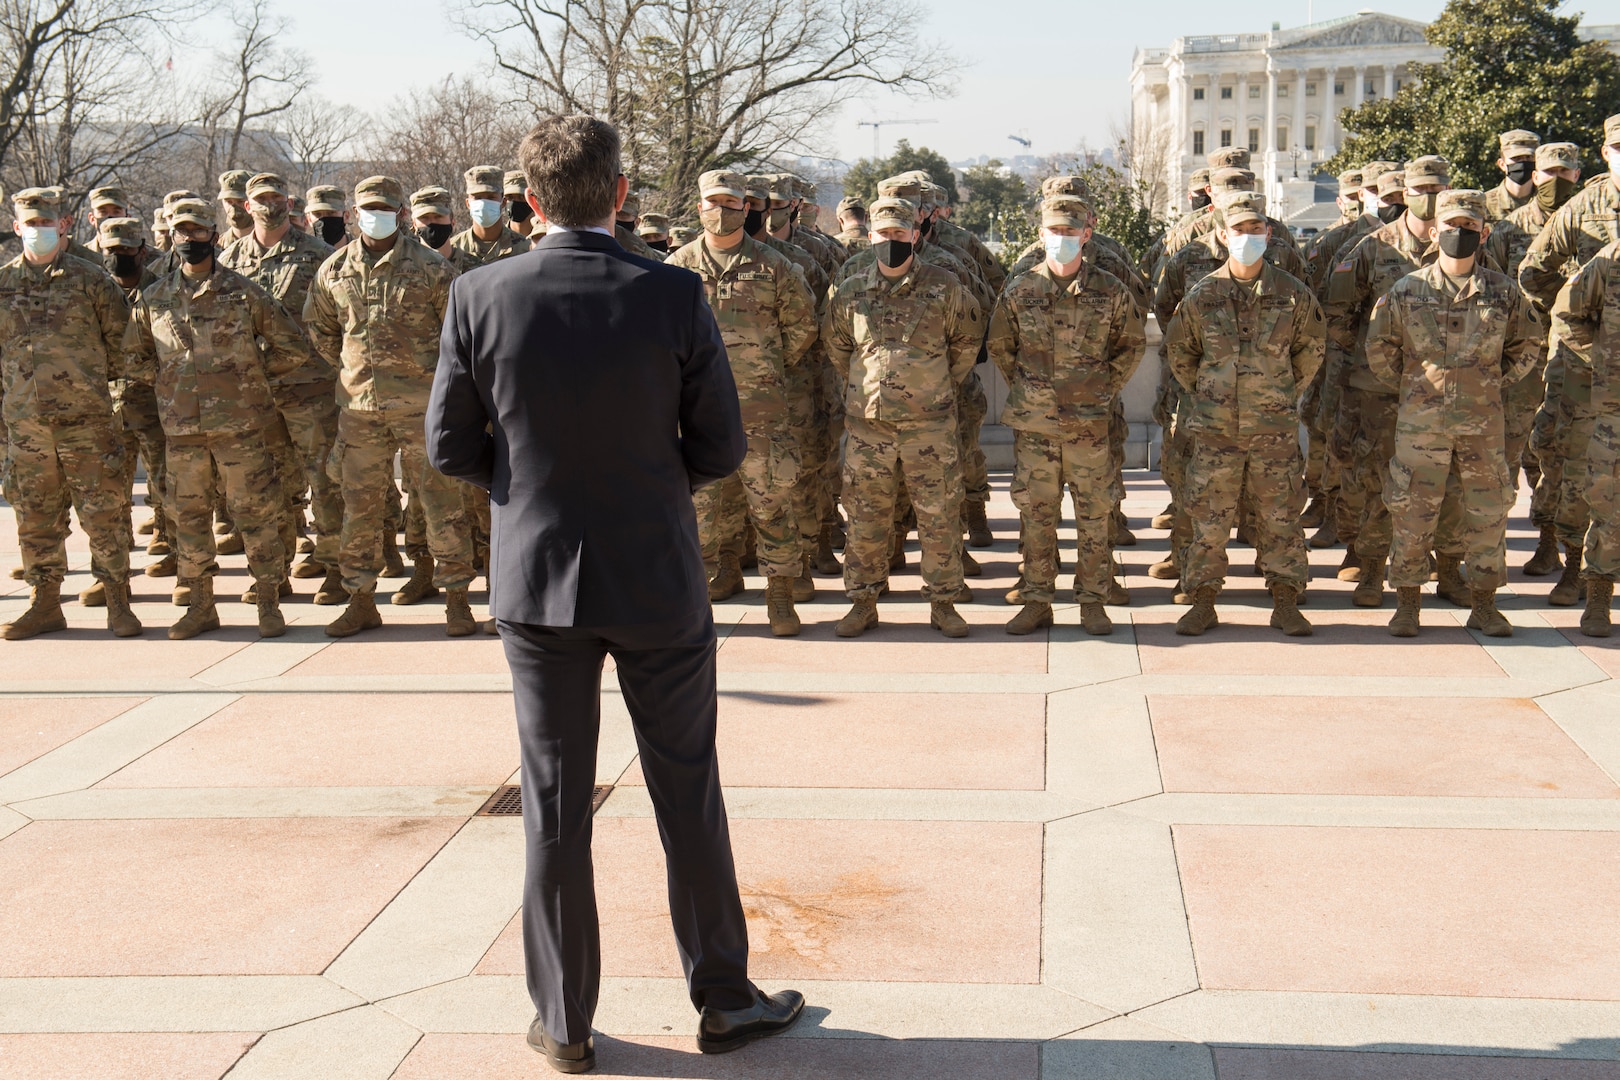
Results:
[430, 136]
[314, 133]
[1144, 152]
[258, 80]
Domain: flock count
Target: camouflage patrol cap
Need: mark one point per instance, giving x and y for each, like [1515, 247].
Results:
[1228, 180]
[1065, 185]
[514, 183]
[233, 184]
[933, 195]
[160, 220]
[1558, 155]
[47, 201]
[1391, 182]
[1350, 182]
[383, 189]
[325, 197]
[1428, 169]
[653, 225]
[632, 204]
[120, 232]
[485, 180]
[1241, 206]
[782, 187]
[432, 199]
[107, 196]
[1518, 143]
[1070, 210]
[757, 186]
[175, 196]
[1198, 181]
[1461, 202]
[1371, 171]
[891, 213]
[1611, 131]
[267, 182]
[682, 235]
[907, 187]
[850, 202]
[723, 182]
[297, 205]
[192, 212]
[1228, 157]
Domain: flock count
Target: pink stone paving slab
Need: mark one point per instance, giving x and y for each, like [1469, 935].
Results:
[1239, 1063]
[888, 901]
[407, 646]
[122, 1055]
[351, 740]
[92, 653]
[480, 1057]
[901, 642]
[1467, 912]
[1347, 642]
[1496, 747]
[825, 740]
[200, 897]
[30, 727]
[1604, 652]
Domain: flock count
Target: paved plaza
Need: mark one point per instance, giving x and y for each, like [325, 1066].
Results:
[1147, 857]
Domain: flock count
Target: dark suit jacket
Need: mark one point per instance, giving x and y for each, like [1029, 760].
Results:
[610, 400]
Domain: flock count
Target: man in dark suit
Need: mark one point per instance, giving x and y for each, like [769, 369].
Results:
[608, 399]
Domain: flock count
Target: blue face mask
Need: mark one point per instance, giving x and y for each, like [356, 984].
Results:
[1247, 248]
[1062, 250]
[40, 240]
[378, 224]
[485, 212]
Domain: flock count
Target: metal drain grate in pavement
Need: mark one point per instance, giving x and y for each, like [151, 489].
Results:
[508, 801]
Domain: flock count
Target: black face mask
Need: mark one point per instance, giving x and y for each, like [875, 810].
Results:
[122, 264]
[658, 245]
[1520, 171]
[520, 211]
[753, 221]
[1458, 243]
[333, 229]
[925, 228]
[1200, 200]
[195, 251]
[1555, 193]
[434, 236]
[892, 253]
[1391, 212]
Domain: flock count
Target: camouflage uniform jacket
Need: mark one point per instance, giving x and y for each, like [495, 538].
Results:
[1512, 236]
[632, 243]
[1203, 222]
[378, 319]
[815, 278]
[481, 253]
[120, 386]
[286, 270]
[1245, 352]
[1578, 228]
[767, 319]
[1500, 202]
[1099, 256]
[1586, 322]
[855, 241]
[1203, 257]
[61, 340]
[1358, 279]
[819, 247]
[933, 255]
[1451, 358]
[989, 267]
[1323, 252]
[1066, 350]
[902, 347]
[218, 352]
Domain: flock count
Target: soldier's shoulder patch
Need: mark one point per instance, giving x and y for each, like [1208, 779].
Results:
[1344, 266]
[1381, 302]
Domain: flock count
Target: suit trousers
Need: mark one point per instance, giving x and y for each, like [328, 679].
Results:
[667, 675]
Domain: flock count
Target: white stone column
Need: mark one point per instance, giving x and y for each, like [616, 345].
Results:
[1180, 106]
[1297, 132]
[1360, 97]
[1270, 142]
[1240, 115]
[1389, 81]
[1327, 141]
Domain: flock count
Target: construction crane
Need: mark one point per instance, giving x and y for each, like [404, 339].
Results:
[878, 125]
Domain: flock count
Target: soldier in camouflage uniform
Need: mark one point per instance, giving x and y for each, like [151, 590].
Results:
[375, 311]
[61, 333]
[1066, 336]
[233, 203]
[1517, 162]
[518, 211]
[283, 262]
[488, 239]
[328, 214]
[219, 351]
[654, 232]
[624, 229]
[1448, 340]
[902, 336]
[1201, 221]
[1586, 324]
[783, 222]
[851, 216]
[160, 233]
[1571, 237]
[681, 235]
[767, 318]
[1245, 343]
[105, 204]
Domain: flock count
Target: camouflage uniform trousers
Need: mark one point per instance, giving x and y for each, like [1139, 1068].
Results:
[971, 406]
[877, 457]
[761, 490]
[1268, 471]
[1430, 469]
[832, 467]
[1042, 465]
[1544, 444]
[1519, 407]
[246, 470]
[1310, 409]
[807, 418]
[311, 427]
[1178, 451]
[137, 412]
[475, 503]
[1571, 439]
[1602, 552]
[1341, 449]
[1370, 454]
[49, 467]
[367, 442]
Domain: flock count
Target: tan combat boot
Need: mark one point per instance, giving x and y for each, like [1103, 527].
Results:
[230, 545]
[458, 616]
[1450, 582]
[308, 568]
[158, 546]
[250, 595]
[1015, 595]
[271, 622]
[942, 616]
[978, 525]
[1285, 614]
[420, 587]
[1095, 621]
[826, 562]
[1485, 618]
[94, 596]
[18, 573]
[1202, 616]
[167, 566]
[1567, 593]
[861, 618]
[779, 607]
[1545, 560]
[1408, 602]
[201, 614]
[361, 614]
[1369, 590]
[1035, 615]
[44, 614]
[728, 579]
[1350, 568]
[1595, 620]
[1119, 530]
[1327, 534]
[393, 565]
[332, 591]
[1118, 594]
[181, 597]
[804, 586]
[1165, 518]
[1164, 570]
[120, 619]
[147, 527]
[1315, 514]
[970, 565]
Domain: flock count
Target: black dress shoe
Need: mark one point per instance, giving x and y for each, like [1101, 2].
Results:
[564, 1057]
[722, 1030]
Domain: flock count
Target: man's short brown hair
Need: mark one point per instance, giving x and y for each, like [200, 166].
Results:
[572, 166]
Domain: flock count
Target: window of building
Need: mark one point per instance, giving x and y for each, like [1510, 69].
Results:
[1282, 138]
[1226, 136]
[1310, 137]
[1310, 89]
[1226, 93]
[1198, 142]
[1198, 93]
[1282, 91]
[1370, 90]
[1338, 88]
[1254, 140]
[1399, 83]
[1254, 91]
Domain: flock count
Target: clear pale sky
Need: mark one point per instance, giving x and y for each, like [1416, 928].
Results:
[1054, 71]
